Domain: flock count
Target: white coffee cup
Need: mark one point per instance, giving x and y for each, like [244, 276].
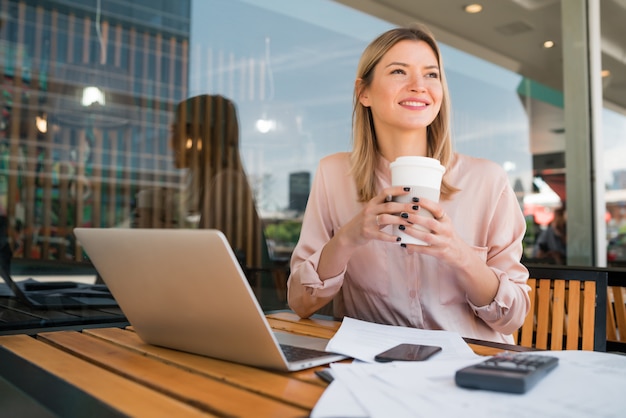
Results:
[423, 175]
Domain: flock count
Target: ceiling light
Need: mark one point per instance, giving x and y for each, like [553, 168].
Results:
[189, 144]
[605, 73]
[264, 125]
[473, 8]
[42, 123]
[509, 166]
[92, 95]
[548, 44]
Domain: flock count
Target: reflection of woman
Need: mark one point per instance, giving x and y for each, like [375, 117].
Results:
[469, 279]
[205, 141]
[551, 243]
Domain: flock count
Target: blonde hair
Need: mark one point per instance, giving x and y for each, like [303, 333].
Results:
[365, 152]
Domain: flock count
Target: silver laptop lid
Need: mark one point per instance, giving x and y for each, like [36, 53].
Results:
[184, 289]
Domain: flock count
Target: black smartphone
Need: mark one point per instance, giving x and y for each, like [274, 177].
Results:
[408, 352]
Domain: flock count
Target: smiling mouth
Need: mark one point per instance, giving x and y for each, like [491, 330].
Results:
[414, 104]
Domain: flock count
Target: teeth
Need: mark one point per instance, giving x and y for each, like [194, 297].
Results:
[417, 104]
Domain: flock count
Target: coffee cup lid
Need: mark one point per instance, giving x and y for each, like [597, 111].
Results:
[417, 160]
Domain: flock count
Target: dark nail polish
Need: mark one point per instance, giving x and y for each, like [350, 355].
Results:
[415, 207]
[416, 199]
[404, 215]
[398, 239]
[402, 227]
[407, 189]
[403, 245]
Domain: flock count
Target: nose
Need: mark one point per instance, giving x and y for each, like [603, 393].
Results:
[417, 84]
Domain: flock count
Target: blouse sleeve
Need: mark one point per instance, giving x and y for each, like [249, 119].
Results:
[306, 292]
[506, 313]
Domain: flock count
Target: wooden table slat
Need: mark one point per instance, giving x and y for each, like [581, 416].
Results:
[206, 393]
[300, 328]
[274, 384]
[312, 322]
[484, 351]
[126, 396]
[286, 324]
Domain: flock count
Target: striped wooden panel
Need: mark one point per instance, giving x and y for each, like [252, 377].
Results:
[15, 121]
[64, 192]
[543, 314]
[611, 324]
[573, 322]
[558, 315]
[588, 315]
[528, 328]
[49, 141]
[561, 311]
[616, 314]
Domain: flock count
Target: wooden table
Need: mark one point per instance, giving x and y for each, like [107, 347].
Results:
[111, 372]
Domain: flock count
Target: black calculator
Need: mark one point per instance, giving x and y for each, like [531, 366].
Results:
[507, 372]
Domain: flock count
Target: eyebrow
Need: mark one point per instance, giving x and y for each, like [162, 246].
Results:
[402, 64]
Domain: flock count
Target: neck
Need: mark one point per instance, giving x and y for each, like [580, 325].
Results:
[394, 146]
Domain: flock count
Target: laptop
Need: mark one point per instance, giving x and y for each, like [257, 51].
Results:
[59, 295]
[184, 289]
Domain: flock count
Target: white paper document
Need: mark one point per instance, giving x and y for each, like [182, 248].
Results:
[362, 340]
[584, 384]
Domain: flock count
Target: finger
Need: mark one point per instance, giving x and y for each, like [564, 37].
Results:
[386, 198]
[389, 193]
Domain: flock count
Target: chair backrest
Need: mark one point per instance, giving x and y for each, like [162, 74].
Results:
[616, 310]
[568, 309]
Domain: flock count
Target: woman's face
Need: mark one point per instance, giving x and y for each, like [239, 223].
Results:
[406, 91]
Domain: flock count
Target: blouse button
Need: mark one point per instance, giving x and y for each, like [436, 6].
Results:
[412, 294]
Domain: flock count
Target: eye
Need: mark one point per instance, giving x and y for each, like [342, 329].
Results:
[432, 75]
[398, 71]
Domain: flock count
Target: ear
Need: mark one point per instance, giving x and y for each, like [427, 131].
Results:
[363, 93]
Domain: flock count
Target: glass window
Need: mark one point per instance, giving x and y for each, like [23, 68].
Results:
[147, 113]
[614, 126]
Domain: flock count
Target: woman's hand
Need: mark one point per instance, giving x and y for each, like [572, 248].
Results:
[379, 212]
[439, 235]
[365, 226]
[472, 273]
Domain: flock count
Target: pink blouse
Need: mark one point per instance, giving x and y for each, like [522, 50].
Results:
[382, 283]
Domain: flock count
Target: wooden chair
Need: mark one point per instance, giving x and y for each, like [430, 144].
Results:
[616, 311]
[568, 309]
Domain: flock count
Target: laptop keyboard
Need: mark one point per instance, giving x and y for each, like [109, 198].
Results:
[294, 353]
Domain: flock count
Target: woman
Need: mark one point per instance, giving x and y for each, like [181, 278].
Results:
[469, 279]
[551, 246]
